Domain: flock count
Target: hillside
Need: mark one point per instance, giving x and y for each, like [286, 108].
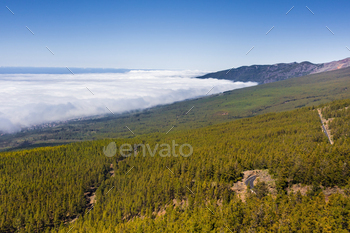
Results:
[43, 189]
[277, 72]
[272, 97]
[337, 116]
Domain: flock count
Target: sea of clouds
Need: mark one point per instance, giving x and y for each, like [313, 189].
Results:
[32, 99]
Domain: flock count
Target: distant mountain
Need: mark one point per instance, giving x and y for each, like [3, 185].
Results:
[272, 73]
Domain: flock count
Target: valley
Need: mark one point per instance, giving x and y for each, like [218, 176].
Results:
[310, 90]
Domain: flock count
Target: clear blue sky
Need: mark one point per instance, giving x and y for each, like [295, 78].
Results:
[205, 35]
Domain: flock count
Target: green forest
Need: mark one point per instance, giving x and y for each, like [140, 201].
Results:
[42, 189]
[339, 115]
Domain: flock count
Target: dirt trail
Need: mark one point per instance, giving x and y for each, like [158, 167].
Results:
[112, 170]
[325, 126]
[90, 195]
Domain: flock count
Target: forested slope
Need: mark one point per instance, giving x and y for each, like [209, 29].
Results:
[338, 114]
[42, 189]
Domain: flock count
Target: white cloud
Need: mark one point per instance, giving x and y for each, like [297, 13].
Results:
[31, 99]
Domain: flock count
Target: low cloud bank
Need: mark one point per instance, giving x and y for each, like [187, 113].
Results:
[32, 99]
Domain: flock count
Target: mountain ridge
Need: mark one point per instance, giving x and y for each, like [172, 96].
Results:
[272, 73]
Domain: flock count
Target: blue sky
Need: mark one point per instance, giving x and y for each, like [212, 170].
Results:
[203, 35]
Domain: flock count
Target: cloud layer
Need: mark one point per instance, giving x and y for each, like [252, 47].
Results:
[32, 99]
